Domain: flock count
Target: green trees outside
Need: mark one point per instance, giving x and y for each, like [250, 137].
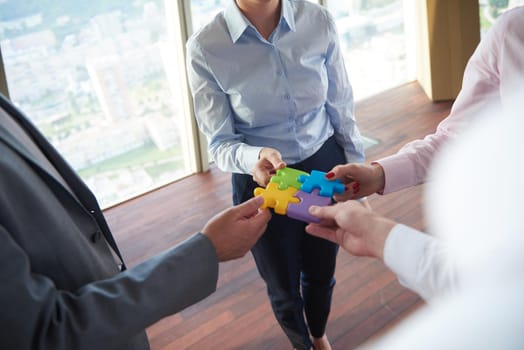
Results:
[496, 6]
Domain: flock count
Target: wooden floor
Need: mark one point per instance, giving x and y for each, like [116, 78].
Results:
[367, 300]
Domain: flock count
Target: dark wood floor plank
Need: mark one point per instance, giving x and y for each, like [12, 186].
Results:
[368, 301]
[376, 320]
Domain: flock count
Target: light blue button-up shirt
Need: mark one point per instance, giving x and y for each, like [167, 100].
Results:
[290, 92]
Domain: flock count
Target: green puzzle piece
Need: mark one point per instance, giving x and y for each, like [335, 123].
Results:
[287, 177]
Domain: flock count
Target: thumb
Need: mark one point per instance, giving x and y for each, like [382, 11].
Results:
[337, 172]
[261, 218]
[327, 212]
[276, 160]
[345, 172]
[250, 207]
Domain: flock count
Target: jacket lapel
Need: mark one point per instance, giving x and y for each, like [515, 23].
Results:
[82, 195]
[15, 144]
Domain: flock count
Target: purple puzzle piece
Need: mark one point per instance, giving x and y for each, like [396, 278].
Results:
[300, 212]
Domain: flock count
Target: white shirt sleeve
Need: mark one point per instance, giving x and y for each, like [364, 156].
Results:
[420, 261]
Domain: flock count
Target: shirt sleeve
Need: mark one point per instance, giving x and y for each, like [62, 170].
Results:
[480, 88]
[410, 166]
[339, 102]
[215, 118]
[420, 261]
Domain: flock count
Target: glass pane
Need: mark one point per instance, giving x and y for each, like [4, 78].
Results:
[373, 41]
[97, 79]
[491, 9]
[203, 11]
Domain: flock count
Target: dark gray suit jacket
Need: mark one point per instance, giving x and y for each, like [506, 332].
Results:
[60, 287]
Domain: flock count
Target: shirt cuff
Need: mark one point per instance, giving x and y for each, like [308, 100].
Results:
[404, 250]
[398, 172]
[250, 158]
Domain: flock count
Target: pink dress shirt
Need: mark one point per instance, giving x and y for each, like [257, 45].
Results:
[494, 71]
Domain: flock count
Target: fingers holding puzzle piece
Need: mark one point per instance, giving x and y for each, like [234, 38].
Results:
[318, 180]
[275, 198]
[292, 192]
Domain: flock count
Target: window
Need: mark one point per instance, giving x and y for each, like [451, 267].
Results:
[491, 9]
[374, 43]
[203, 11]
[97, 79]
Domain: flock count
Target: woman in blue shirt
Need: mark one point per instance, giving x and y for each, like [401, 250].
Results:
[270, 89]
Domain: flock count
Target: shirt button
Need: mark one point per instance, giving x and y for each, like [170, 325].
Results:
[287, 97]
[279, 72]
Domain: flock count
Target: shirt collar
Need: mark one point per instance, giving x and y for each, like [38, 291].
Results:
[287, 15]
[237, 23]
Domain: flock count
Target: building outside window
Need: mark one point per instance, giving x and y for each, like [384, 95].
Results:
[95, 79]
[375, 43]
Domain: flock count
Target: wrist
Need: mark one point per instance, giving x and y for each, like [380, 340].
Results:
[379, 176]
[382, 228]
[260, 153]
[266, 152]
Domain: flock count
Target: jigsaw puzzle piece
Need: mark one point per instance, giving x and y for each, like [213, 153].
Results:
[275, 198]
[287, 177]
[300, 211]
[317, 179]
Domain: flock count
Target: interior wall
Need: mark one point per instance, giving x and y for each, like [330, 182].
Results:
[448, 31]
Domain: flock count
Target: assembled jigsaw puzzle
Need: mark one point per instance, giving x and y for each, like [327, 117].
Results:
[291, 192]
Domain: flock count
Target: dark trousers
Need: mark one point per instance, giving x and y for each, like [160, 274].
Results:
[298, 268]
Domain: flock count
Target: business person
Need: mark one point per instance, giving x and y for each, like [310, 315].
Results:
[493, 75]
[483, 234]
[270, 89]
[63, 282]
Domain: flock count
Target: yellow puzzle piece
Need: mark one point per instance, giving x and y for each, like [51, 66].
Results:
[277, 199]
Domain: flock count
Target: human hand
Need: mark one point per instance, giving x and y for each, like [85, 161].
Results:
[355, 228]
[360, 179]
[235, 230]
[269, 161]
